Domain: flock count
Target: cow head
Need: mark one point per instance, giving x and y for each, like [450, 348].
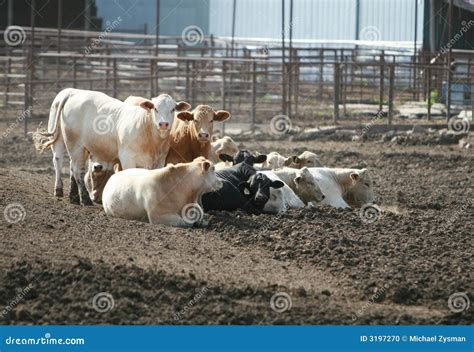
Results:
[360, 192]
[244, 156]
[163, 107]
[257, 189]
[206, 168]
[274, 161]
[96, 178]
[305, 159]
[201, 121]
[306, 187]
[224, 145]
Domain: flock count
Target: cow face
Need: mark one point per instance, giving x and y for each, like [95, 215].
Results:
[360, 192]
[244, 156]
[307, 188]
[163, 107]
[257, 189]
[211, 182]
[305, 159]
[202, 118]
[96, 178]
[225, 145]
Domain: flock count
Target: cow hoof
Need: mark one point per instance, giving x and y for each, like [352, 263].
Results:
[74, 200]
[59, 192]
[87, 202]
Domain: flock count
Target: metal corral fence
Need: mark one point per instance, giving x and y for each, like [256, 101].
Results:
[253, 80]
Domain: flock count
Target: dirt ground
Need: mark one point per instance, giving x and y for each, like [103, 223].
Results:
[67, 264]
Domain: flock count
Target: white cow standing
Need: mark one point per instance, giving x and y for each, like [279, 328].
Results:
[88, 122]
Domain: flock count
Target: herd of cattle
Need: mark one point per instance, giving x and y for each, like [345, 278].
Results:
[149, 159]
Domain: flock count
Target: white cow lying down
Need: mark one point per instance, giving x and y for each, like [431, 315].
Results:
[344, 188]
[281, 198]
[301, 182]
[167, 195]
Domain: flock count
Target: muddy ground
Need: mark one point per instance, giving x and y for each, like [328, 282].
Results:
[334, 268]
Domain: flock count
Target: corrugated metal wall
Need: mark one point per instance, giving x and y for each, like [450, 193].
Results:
[391, 20]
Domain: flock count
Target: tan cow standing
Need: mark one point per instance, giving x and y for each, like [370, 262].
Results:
[191, 133]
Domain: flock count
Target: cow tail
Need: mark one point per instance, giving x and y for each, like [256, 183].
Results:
[54, 123]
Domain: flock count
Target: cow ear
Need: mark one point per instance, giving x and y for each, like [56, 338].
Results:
[244, 187]
[260, 159]
[355, 177]
[288, 161]
[185, 116]
[147, 105]
[225, 157]
[182, 106]
[296, 159]
[297, 179]
[214, 138]
[221, 115]
[206, 165]
[117, 167]
[277, 184]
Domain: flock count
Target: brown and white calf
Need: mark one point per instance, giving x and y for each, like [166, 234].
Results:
[191, 133]
[88, 122]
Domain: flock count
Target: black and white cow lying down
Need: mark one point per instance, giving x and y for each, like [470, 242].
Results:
[244, 189]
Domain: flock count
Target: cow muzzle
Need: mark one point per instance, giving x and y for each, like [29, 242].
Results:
[163, 125]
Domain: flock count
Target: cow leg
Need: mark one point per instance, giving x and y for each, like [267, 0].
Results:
[168, 219]
[58, 160]
[78, 171]
[74, 192]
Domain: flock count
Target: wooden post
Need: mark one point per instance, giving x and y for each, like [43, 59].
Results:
[254, 95]
[337, 67]
[391, 89]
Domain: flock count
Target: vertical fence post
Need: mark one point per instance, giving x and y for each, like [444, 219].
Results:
[223, 92]
[382, 72]
[152, 78]
[321, 73]
[74, 72]
[428, 79]
[114, 82]
[391, 93]
[254, 95]
[31, 72]
[193, 84]
[337, 67]
[7, 89]
[186, 92]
